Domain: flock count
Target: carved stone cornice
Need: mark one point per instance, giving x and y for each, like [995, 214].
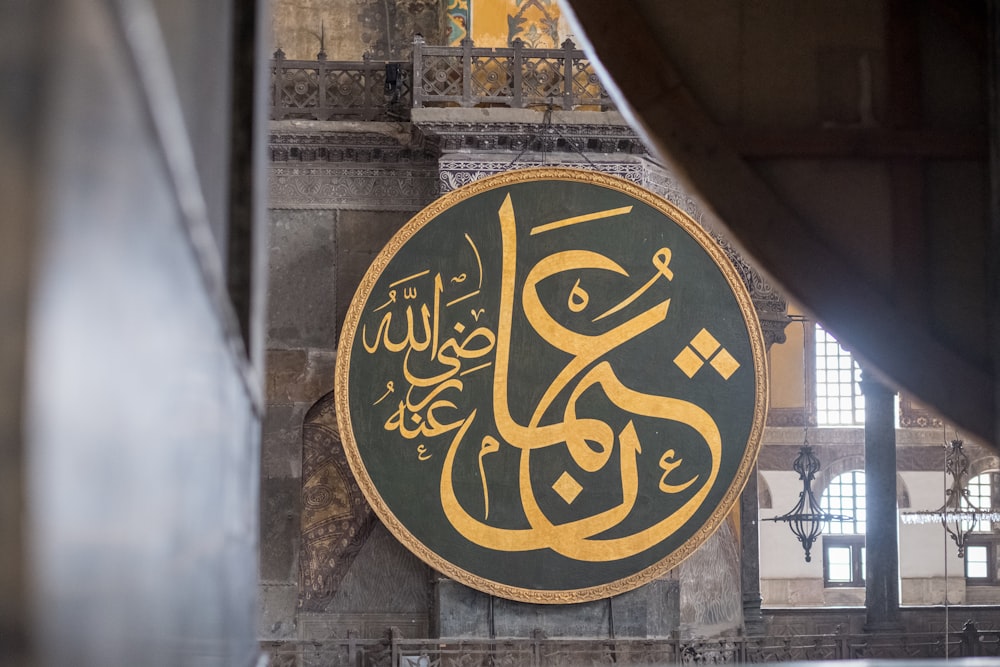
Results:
[909, 458]
[351, 166]
[368, 143]
[458, 169]
[532, 137]
[785, 417]
[366, 147]
[352, 187]
[772, 309]
[520, 131]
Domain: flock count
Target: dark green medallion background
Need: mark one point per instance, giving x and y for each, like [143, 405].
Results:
[401, 474]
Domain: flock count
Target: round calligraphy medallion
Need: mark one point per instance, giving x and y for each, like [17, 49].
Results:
[551, 385]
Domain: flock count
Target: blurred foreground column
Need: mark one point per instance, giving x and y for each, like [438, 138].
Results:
[882, 531]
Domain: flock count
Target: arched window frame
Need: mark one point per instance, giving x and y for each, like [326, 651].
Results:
[836, 382]
[844, 541]
[982, 548]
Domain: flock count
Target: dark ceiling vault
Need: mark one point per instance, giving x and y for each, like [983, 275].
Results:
[911, 292]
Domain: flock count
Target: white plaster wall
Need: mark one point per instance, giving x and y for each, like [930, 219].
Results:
[925, 548]
[928, 558]
[781, 555]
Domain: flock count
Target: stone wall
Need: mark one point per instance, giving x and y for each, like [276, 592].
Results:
[347, 29]
[327, 567]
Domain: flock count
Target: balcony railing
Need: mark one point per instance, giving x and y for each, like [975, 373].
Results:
[464, 76]
[332, 90]
[395, 651]
[513, 77]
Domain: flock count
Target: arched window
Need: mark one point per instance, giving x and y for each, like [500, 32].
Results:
[845, 496]
[839, 401]
[981, 558]
[844, 541]
[982, 492]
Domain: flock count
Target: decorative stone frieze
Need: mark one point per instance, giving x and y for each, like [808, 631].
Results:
[354, 187]
[350, 166]
[373, 143]
[454, 171]
[533, 137]
[914, 415]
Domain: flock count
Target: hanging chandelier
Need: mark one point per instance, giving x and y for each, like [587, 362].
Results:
[959, 515]
[807, 518]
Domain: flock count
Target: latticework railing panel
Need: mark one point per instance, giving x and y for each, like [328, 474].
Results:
[515, 76]
[586, 85]
[347, 89]
[441, 78]
[350, 90]
[395, 651]
[542, 80]
[491, 78]
[989, 644]
[911, 646]
[792, 649]
[297, 89]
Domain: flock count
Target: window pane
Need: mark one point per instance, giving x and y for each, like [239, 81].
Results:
[837, 377]
[980, 497]
[839, 564]
[976, 562]
[846, 496]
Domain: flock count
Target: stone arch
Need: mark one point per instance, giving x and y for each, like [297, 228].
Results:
[764, 501]
[982, 461]
[336, 518]
[855, 462]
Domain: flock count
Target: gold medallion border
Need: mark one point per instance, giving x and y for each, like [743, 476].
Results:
[346, 344]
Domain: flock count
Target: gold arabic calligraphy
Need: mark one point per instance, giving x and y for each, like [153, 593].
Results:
[428, 409]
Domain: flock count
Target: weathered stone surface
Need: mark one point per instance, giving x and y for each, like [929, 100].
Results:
[299, 375]
[461, 611]
[367, 625]
[385, 577]
[281, 445]
[350, 28]
[711, 601]
[651, 611]
[361, 235]
[276, 611]
[279, 529]
[516, 619]
[302, 284]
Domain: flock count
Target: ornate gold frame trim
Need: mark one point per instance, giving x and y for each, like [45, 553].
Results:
[731, 496]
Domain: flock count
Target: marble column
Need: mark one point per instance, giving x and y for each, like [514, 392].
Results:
[881, 536]
[753, 620]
